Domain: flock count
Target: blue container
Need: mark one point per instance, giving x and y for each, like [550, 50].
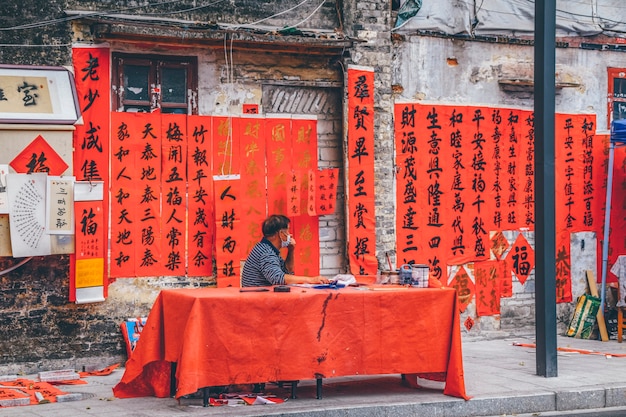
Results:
[405, 274]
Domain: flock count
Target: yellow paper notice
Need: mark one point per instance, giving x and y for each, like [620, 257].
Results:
[89, 272]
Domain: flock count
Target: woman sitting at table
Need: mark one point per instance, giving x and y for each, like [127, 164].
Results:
[265, 266]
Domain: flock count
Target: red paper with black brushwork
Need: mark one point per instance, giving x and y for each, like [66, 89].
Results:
[360, 189]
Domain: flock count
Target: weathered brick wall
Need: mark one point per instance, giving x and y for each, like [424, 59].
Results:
[41, 330]
[14, 13]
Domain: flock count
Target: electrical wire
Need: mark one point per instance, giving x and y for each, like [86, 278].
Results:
[272, 16]
[307, 18]
[184, 10]
[53, 45]
[70, 18]
[14, 267]
[35, 25]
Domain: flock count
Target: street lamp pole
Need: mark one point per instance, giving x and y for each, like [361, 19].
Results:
[545, 232]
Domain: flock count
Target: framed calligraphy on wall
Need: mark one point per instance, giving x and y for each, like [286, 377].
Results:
[30, 94]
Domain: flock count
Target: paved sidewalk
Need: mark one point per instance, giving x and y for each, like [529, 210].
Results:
[499, 376]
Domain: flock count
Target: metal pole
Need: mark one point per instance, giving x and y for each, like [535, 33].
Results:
[545, 233]
[607, 224]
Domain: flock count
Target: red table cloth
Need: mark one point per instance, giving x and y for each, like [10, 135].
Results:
[224, 336]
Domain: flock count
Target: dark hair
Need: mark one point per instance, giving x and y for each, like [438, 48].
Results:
[274, 223]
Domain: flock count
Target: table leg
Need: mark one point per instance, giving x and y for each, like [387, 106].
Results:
[205, 396]
[294, 385]
[318, 388]
[173, 379]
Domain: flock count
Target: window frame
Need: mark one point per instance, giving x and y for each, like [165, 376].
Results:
[155, 63]
[614, 73]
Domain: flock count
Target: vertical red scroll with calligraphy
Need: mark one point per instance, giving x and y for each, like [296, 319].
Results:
[200, 196]
[498, 167]
[452, 206]
[512, 137]
[90, 246]
[409, 245]
[574, 171]
[279, 161]
[527, 172]
[227, 231]
[125, 191]
[306, 223]
[487, 275]
[326, 195]
[228, 208]
[253, 205]
[225, 148]
[91, 140]
[480, 177]
[294, 193]
[360, 190]
[174, 189]
[306, 233]
[146, 172]
[304, 138]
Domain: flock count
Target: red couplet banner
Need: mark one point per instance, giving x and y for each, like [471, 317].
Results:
[200, 196]
[174, 188]
[125, 192]
[228, 212]
[251, 133]
[146, 171]
[306, 231]
[279, 161]
[91, 139]
[360, 191]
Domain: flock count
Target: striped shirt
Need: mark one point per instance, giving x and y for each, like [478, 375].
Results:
[264, 266]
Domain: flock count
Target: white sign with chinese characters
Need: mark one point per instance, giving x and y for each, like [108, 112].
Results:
[60, 205]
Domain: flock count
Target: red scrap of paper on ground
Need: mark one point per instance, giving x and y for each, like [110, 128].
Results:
[38, 156]
[106, 371]
[573, 350]
[30, 387]
[251, 400]
[69, 382]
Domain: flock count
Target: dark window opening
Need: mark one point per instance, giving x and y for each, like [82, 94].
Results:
[145, 84]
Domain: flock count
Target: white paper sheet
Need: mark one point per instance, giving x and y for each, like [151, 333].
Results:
[89, 295]
[89, 191]
[4, 196]
[60, 205]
